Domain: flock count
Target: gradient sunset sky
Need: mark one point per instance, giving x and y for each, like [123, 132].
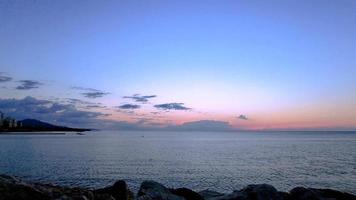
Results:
[218, 65]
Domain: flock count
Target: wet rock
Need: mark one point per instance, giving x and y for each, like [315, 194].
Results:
[14, 189]
[253, 192]
[119, 191]
[301, 193]
[151, 190]
[208, 194]
[261, 192]
[334, 194]
[187, 194]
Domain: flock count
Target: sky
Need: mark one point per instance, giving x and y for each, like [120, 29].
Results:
[181, 65]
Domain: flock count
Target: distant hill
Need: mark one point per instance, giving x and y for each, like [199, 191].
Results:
[34, 123]
[31, 125]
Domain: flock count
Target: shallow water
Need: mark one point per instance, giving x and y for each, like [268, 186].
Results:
[221, 161]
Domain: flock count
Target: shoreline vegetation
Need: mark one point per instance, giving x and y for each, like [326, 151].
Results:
[12, 188]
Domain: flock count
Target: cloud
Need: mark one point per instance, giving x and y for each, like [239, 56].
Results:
[94, 95]
[129, 106]
[141, 99]
[242, 117]
[28, 84]
[203, 125]
[5, 78]
[67, 114]
[172, 106]
[50, 111]
[91, 93]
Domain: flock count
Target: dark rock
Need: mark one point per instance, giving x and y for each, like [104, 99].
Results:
[13, 189]
[284, 195]
[253, 192]
[119, 191]
[151, 190]
[207, 194]
[187, 194]
[301, 193]
[261, 192]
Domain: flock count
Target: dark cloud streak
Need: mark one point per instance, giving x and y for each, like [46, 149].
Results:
[141, 99]
[91, 93]
[28, 85]
[172, 106]
[129, 106]
[4, 79]
[242, 117]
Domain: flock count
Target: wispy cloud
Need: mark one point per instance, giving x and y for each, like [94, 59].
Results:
[28, 84]
[129, 106]
[139, 98]
[5, 78]
[172, 106]
[91, 93]
[242, 117]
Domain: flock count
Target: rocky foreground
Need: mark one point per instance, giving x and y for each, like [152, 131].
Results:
[12, 188]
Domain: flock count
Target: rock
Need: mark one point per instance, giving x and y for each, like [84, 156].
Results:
[151, 190]
[261, 192]
[13, 189]
[103, 197]
[253, 192]
[334, 194]
[207, 194]
[301, 193]
[119, 191]
[187, 194]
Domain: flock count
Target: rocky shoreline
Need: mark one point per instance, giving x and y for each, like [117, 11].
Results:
[12, 188]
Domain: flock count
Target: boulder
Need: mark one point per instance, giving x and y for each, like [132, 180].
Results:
[208, 194]
[14, 189]
[187, 194]
[151, 190]
[119, 191]
[301, 193]
[261, 192]
[253, 192]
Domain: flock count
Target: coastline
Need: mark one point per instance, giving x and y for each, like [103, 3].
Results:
[33, 133]
[12, 188]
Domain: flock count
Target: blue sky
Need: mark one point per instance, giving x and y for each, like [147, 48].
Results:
[283, 64]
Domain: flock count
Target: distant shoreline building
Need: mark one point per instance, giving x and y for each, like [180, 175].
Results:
[1, 119]
[8, 122]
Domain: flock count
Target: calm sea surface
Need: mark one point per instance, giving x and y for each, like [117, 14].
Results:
[199, 160]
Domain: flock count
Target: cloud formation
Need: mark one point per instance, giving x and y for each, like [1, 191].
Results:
[129, 106]
[172, 106]
[94, 95]
[50, 111]
[141, 99]
[68, 114]
[28, 84]
[243, 117]
[4, 78]
[91, 93]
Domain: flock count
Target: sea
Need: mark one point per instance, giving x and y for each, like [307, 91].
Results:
[220, 161]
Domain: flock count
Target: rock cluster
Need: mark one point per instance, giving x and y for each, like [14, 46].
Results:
[12, 188]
